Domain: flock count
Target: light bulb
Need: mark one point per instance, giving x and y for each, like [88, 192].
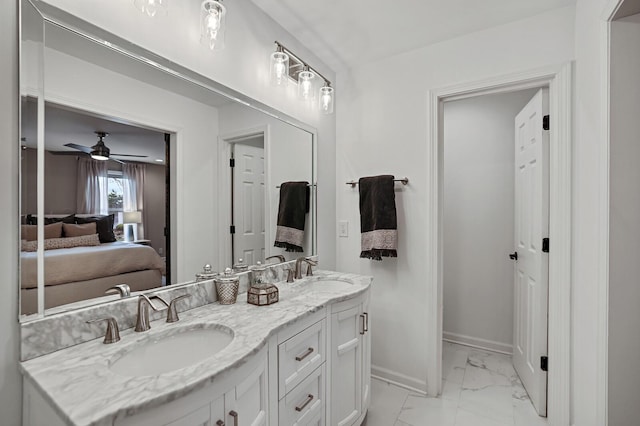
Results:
[305, 85]
[326, 99]
[212, 23]
[151, 7]
[279, 68]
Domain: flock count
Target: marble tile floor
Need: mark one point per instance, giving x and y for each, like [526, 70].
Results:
[479, 389]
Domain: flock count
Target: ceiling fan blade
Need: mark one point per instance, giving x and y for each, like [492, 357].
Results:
[86, 149]
[116, 160]
[66, 153]
[129, 155]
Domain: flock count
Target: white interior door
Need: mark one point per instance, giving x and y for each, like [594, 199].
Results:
[249, 207]
[532, 264]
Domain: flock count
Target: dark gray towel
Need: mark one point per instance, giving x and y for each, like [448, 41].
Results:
[292, 213]
[378, 222]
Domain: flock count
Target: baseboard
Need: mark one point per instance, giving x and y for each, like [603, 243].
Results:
[399, 379]
[474, 342]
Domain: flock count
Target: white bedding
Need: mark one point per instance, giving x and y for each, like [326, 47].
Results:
[85, 263]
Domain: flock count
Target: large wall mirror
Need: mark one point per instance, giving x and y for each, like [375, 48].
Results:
[126, 170]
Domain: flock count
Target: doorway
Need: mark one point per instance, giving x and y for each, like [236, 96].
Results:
[558, 79]
[490, 175]
[248, 199]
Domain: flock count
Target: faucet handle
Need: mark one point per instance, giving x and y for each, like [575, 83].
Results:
[290, 273]
[276, 256]
[172, 315]
[112, 334]
[123, 289]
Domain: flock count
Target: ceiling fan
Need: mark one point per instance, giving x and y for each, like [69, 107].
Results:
[100, 151]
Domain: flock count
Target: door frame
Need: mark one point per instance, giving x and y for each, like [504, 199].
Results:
[225, 142]
[558, 79]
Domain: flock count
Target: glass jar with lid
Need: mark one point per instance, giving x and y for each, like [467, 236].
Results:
[227, 285]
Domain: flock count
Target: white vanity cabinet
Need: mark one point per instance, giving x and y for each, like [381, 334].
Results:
[314, 371]
[241, 399]
[350, 361]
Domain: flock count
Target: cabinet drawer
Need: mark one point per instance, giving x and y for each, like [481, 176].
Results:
[304, 405]
[299, 356]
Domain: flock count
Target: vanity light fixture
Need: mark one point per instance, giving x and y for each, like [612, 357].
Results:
[212, 24]
[279, 67]
[305, 84]
[285, 65]
[326, 98]
[152, 7]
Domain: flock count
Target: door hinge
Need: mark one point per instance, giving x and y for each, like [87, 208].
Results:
[544, 363]
[545, 245]
[545, 122]
[232, 162]
[232, 229]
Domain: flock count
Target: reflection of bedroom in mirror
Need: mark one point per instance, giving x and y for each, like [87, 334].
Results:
[105, 206]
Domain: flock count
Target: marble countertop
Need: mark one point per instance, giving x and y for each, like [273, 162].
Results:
[79, 385]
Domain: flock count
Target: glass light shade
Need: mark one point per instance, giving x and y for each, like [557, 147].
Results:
[305, 85]
[279, 69]
[152, 7]
[212, 24]
[325, 101]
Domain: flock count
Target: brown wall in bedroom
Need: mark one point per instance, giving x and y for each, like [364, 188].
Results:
[61, 189]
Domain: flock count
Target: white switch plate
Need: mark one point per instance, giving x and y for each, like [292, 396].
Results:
[343, 228]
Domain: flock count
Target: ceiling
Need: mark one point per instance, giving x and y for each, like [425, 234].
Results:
[344, 33]
[65, 125]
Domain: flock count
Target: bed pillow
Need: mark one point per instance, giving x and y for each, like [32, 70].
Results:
[58, 243]
[104, 226]
[30, 232]
[78, 230]
[33, 220]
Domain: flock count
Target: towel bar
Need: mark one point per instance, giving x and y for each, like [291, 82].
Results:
[404, 181]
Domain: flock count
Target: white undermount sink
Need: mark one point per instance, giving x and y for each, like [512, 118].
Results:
[172, 350]
[330, 284]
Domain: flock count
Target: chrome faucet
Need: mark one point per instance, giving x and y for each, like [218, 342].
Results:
[298, 270]
[144, 302]
[172, 314]
[123, 289]
[112, 334]
[277, 256]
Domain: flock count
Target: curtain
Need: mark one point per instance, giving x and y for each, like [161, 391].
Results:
[91, 197]
[133, 192]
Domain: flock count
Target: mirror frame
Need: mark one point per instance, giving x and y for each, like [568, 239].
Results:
[66, 21]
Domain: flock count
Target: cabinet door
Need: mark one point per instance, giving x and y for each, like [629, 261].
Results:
[199, 417]
[247, 404]
[366, 356]
[346, 366]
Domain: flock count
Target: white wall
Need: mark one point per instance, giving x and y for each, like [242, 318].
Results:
[624, 268]
[478, 233]
[10, 380]
[381, 129]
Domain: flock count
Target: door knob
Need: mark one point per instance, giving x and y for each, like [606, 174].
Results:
[514, 255]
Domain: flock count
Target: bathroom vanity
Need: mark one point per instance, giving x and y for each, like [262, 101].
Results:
[302, 361]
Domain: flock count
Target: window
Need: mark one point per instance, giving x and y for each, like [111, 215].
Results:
[115, 191]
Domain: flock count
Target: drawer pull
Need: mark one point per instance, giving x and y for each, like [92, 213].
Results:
[305, 403]
[219, 423]
[304, 355]
[366, 321]
[235, 417]
[363, 329]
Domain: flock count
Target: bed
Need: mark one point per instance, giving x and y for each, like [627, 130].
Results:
[80, 273]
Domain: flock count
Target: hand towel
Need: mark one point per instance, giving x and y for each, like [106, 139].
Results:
[292, 212]
[378, 222]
